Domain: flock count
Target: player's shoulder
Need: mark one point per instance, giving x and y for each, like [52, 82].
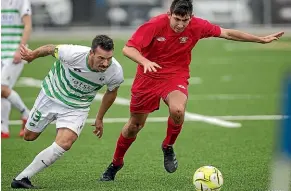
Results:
[198, 22]
[72, 53]
[116, 66]
[23, 3]
[73, 49]
[159, 20]
[115, 70]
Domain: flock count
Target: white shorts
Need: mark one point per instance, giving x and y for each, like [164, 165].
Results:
[46, 110]
[10, 72]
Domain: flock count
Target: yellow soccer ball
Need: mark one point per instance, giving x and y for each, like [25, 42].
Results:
[207, 178]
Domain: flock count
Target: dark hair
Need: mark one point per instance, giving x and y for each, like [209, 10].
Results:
[182, 7]
[103, 41]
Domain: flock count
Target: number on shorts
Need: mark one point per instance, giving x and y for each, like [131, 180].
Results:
[36, 116]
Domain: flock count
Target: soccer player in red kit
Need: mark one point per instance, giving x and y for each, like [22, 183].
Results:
[162, 48]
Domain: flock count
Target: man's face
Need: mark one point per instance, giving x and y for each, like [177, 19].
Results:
[179, 23]
[101, 59]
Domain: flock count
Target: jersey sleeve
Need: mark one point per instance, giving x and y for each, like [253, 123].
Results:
[117, 79]
[143, 36]
[25, 8]
[209, 29]
[65, 53]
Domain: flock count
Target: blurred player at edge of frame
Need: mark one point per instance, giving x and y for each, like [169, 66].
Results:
[16, 28]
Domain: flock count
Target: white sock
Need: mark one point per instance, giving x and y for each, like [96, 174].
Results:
[17, 102]
[44, 159]
[5, 112]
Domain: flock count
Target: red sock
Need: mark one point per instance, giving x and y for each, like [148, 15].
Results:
[122, 146]
[173, 131]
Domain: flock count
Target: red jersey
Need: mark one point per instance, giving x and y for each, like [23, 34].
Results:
[157, 42]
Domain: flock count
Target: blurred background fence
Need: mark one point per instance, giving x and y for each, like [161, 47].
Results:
[233, 13]
[120, 17]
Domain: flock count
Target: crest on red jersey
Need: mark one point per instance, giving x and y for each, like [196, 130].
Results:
[183, 39]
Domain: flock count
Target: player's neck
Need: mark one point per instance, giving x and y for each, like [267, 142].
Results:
[174, 33]
[89, 64]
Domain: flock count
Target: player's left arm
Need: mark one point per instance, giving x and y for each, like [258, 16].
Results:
[107, 100]
[25, 12]
[236, 35]
[26, 19]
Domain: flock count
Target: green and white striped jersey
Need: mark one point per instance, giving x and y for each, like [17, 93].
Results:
[12, 27]
[71, 82]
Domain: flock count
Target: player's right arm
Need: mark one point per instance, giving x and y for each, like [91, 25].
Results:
[30, 55]
[137, 57]
[141, 39]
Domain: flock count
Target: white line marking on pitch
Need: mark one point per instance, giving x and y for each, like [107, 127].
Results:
[122, 101]
[213, 97]
[211, 120]
[164, 119]
[27, 81]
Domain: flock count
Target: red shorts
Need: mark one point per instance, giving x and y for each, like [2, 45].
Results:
[147, 92]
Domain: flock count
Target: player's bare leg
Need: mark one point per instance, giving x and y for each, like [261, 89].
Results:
[176, 102]
[5, 113]
[63, 142]
[126, 138]
[16, 101]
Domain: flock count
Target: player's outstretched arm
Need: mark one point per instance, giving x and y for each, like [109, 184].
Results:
[137, 57]
[30, 55]
[236, 35]
[107, 100]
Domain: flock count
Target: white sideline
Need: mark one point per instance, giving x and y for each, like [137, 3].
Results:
[31, 82]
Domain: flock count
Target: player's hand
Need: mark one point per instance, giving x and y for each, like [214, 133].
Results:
[17, 57]
[26, 53]
[150, 67]
[98, 128]
[272, 37]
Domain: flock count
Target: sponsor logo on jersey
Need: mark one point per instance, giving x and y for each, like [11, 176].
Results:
[8, 18]
[181, 86]
[161, 39]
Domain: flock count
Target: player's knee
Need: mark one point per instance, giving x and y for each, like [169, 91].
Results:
[66, 138]
[135, 127]
[4, 91]
[29, 137]
[138, 126]
[177, 112]
[66, 145]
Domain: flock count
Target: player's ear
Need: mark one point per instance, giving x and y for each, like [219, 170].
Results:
[169, 14]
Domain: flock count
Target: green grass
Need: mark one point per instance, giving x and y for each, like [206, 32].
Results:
[243, 155]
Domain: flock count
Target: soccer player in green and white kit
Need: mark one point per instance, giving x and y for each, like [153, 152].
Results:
[66, 95]
[16, 28]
